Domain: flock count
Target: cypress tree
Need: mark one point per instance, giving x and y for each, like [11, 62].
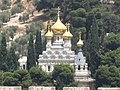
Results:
[93, 46]
[12, 58]
[3, 54]
[38, 44]
[31, 60]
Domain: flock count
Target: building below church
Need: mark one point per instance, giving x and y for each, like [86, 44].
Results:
[58, 51]
[107, 1]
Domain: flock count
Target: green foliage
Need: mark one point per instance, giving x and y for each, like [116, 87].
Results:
[116, 7]
[108, 73]
[111, 58]
[5, 16]
[12, 59]
[38, 76]
[11, 30]
[31, 56]
[38, 44]
[111, 22]
[63, 75]
[81, 12]
[4, 4]
[40, 4]
[1, 78]
[9, 79]
[108, 76]
[34, 27]
[17, 8]
[21, 44]
[112, 41]
[93, 46]
[78, 22]
[3, 54]
[24, 17]
[7, 2]
[23, 78]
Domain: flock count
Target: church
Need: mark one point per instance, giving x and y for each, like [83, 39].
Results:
[58, 51]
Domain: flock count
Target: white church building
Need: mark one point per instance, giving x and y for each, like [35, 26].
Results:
[58, 51]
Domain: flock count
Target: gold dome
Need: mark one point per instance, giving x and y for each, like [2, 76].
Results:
[58, 27]
[49, 33]
[67, 33]
[80, 42]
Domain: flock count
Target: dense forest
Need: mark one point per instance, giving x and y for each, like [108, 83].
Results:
[99, 23]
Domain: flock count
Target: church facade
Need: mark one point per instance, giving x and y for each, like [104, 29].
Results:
[58, 51]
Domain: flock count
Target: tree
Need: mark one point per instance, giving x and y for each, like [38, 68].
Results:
[9, 79]
[1, 23]
[108, 76]
[111, 22]
[21, 44]
[38, 76]
[1, 78]
[5, 16]
[93, 46]
[11, 30]
[7, 2]
[23, 78]
[31, 60]
[38, 44]
[3, 6]
[117, 7]
[63, 75]
[111, 42]
[42, 4]
[15, 10]
[3, 54]
[12, 58]
[24, 17]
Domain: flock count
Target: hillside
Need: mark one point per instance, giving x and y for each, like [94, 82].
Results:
[97, 22]
[26, 7]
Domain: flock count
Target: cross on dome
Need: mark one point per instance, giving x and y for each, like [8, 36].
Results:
[58, 9]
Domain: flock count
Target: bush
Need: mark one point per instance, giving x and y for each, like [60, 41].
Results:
[24, 17]
[5, 16]
[3, 6]
[15, 10]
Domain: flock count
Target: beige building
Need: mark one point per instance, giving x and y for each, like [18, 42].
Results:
[107, 1]
[10, 88]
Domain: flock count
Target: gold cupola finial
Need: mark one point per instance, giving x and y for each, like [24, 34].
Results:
[67, 33]
[80, 42]
[58, 27]
[49, 33]
[58, 9]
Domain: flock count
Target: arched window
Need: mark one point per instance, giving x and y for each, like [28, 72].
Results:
[78, 67]
[49, 68]
[58, 38]
[23, 66]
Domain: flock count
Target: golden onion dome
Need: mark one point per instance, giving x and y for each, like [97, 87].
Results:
[58, 27]
[49, 33]
[67, 33]
[80, 42]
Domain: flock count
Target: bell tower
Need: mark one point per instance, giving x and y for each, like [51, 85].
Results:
[82, 74]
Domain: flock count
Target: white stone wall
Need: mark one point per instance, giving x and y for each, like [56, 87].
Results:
[76, 88]
[106, 88]
[41, 88]
[10, 88]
